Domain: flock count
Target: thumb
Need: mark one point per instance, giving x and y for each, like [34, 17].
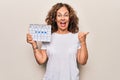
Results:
[86, 33]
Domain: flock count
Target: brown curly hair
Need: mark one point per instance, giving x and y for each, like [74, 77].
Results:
[51, 17]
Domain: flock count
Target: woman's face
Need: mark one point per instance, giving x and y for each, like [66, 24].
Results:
[62, 19]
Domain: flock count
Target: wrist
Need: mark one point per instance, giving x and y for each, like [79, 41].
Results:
[34, 46]
[83, 43]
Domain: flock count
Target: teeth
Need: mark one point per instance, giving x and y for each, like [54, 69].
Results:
[62, 22]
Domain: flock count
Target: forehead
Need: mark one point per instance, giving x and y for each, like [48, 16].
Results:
[63, 10]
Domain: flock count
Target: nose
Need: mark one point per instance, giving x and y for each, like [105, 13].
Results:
[62, 18]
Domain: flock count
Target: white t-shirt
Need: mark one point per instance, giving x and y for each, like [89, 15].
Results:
[62, 53]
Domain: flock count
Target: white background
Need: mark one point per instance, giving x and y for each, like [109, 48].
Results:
[100, 17]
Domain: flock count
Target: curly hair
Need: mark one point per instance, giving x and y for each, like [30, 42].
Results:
[51, 17]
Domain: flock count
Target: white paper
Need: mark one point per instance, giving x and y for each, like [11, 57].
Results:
[40, 32]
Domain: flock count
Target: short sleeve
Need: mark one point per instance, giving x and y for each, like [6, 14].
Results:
[78, 42]
[79, 46]
[44, 45]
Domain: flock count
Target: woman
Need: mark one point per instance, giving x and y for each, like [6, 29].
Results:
[67, 47]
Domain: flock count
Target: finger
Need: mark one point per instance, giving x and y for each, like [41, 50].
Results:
[29, 35]
[86, 33]
[81, 33]
[29, 39]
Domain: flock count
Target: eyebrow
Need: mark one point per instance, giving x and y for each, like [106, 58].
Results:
[64, 13]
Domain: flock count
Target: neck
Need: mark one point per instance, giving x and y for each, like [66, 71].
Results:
[62, 31]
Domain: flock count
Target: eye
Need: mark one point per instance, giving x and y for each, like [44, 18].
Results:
[58, 15]
[66, 15]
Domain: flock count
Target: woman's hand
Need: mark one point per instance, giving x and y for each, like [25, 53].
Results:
[40, 55]
[82, 36]
[82, 52]
[30, 39]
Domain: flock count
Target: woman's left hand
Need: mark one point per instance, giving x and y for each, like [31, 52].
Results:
[82, 36]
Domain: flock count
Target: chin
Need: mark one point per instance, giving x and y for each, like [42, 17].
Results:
[63, 29]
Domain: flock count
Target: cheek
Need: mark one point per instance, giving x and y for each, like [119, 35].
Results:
[67, 19]
[57, 20]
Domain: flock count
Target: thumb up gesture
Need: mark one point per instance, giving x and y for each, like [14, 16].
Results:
[82, 36]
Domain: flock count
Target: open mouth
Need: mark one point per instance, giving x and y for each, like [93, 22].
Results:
[63, 24]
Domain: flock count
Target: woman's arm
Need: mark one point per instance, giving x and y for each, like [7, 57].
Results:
[40, 55]
[82, 54]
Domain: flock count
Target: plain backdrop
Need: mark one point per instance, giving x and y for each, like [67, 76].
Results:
[99, 17]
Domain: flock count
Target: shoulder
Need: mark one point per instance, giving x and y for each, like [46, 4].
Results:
[74, 34]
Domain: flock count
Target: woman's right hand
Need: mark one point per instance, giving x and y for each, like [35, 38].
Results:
[30, 39]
